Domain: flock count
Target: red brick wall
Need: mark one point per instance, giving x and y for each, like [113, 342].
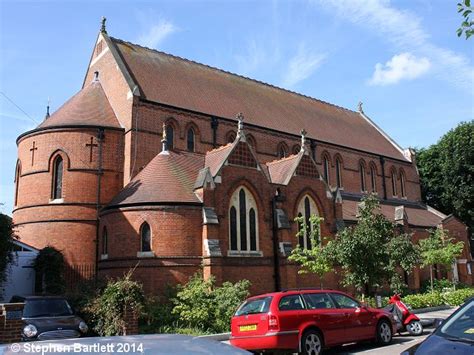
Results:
[10, 329]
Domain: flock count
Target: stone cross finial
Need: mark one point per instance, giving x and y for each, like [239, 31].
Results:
[240, 124]
[164, 141]
[303, 139]
[359, 107]
[47, 111]
[102, 27]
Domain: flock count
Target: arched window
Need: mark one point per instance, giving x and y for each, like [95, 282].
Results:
[243, 221]
[251, 142]
[326, 167]
[190, 140]
[363, 186]
[373, 178]
[145, 237]
[57, 178]
[402, 184]
[170, 136]
[282, 151]
[17, 181]
[306, 208]
[338, 172]
[296, 149]
[105, 242]
[394, 183]
[230, 137]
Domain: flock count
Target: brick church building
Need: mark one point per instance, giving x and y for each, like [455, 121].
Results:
[172, 166]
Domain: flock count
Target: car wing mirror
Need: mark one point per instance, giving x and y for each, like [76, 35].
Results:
[438, 322]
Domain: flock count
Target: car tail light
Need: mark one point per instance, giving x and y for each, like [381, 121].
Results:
[273, 322]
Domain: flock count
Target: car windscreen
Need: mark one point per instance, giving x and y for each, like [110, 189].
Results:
[254, 306]
[461, 326]
[53, 307]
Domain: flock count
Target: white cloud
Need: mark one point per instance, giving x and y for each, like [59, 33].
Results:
[302, 66]
[403, 66]
[157, 33]
[255, 56]
[405, 31]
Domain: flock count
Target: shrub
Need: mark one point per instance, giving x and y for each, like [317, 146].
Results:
[201, 305]
[431, 299]
[49, 268]
[458, 297]
[108, 307]
[158, 316]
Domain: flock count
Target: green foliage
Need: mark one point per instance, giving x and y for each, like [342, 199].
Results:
[467, 26]
[433, 299]
[458, 297]
[315, 259]
[6, 245]
[49, 268]
[371, 253]
[158, 314]
[439, 248]
[199, 304]
[446, 173]
[108, 308]
[440, 285]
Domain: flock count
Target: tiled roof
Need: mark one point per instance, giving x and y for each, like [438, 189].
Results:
[280, 171]
[216, 157]
[421, 217]
[175, 81]
[89, 107]
[167, 178]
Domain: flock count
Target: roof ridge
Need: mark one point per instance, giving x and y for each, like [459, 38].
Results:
[234, 74]
[218, 148]
[292, 156]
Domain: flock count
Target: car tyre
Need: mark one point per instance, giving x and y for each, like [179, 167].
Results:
[312, 343]
[415, 327]
[384, 332]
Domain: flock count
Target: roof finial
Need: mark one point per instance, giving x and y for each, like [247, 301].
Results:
[102, 27]
[240, 125]
[96, 76]
[164, 141]
[359, 107]
[303, 139]
[47, 111]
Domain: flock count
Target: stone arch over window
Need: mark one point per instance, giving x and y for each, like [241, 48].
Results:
[17, 180]
[393, 177]
[282, 150]
[362, 173]
[373, 177]
[403, 191]
[326, 163]
[296, 149]
[105, 241]
[306, 208]
[252, 142]
[230, 137]
[58, 173]
[243, 221]
[339, 169]
[145, 237]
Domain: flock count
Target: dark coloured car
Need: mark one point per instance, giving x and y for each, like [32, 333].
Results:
[49, 317]
[454, 336]
[307, 321]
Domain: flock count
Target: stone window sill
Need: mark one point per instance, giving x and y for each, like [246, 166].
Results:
[145, 254]
[244, 253]
[104, 256]
[57, 200]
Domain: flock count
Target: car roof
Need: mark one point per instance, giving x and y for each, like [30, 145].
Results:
[295, 291]
[37, 297]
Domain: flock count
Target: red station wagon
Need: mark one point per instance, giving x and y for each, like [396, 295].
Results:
[307, 321]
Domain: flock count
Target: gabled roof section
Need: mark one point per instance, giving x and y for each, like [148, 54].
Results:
[168, 178]
[178, 82]
[89, 107]
[216, 158]
[281, 171]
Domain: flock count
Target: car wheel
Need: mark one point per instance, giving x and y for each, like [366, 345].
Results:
[415, 328]
[384, 332]
[311, 343]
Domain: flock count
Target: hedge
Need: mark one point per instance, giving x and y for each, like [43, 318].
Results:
[452, 298]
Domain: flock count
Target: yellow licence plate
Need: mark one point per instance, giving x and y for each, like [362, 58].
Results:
[248, 328]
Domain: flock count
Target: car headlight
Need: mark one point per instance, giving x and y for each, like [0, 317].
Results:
[83, 327]
[30, 330]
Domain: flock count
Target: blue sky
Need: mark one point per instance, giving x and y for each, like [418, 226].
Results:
[401, 58]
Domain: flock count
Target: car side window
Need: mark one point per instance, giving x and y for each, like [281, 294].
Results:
[343, 301]
[318, 301]
[290, 303]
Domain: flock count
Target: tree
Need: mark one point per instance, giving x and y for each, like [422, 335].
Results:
[7, 236]
[49, 268]
[467, 26]
[372, 253]
[316, 259]
[439, 248]
[446, 173]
